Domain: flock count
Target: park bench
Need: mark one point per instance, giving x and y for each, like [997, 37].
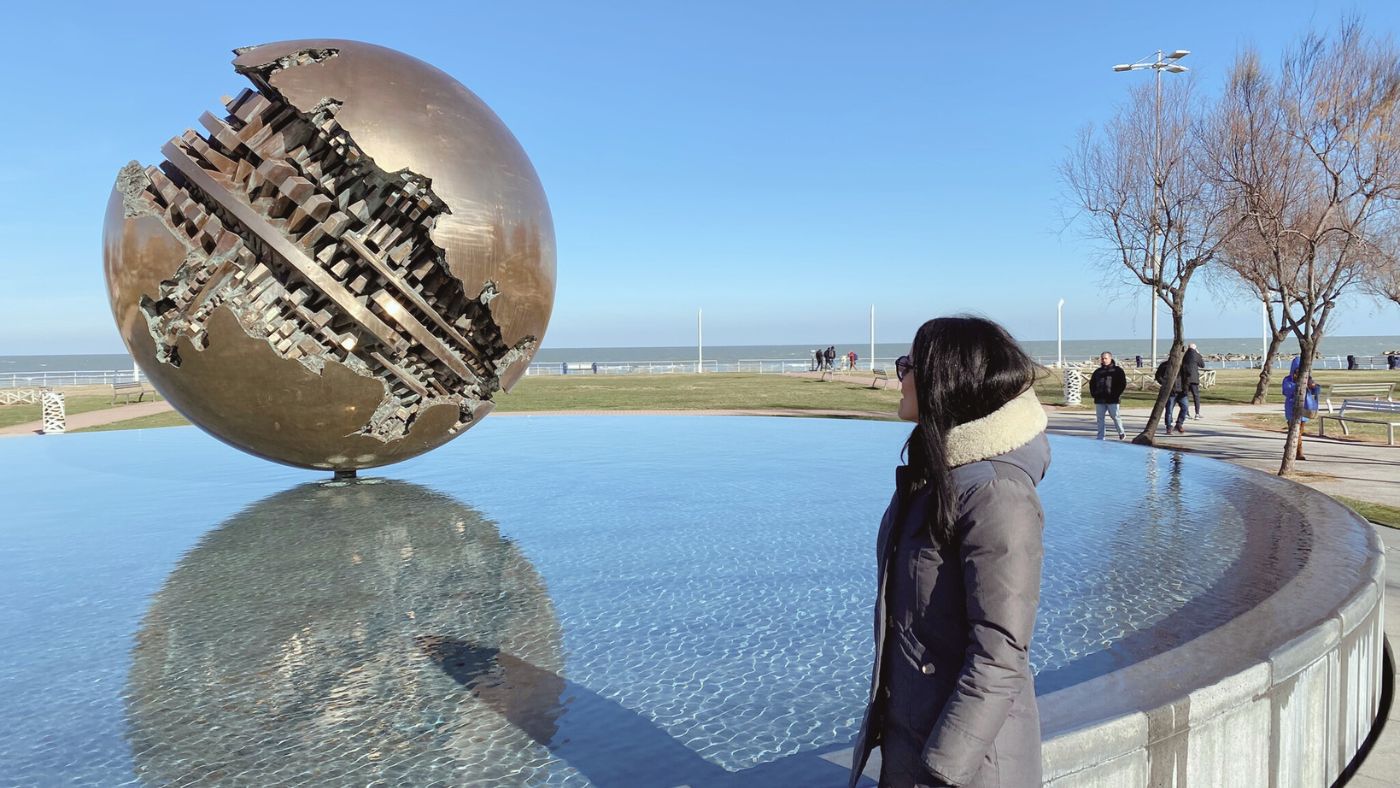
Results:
[127, 390]
[1346, 391]
[1365, 411]
[882, 377]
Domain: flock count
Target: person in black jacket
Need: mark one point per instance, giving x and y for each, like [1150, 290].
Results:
[1106, 386]
[1177, 396]
[1191, 366]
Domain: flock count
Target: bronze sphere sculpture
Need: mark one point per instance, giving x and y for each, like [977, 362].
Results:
[343, 271]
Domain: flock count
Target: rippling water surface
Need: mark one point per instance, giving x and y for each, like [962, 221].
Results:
[562, 600]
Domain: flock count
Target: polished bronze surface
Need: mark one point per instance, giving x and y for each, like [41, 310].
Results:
[344, 271]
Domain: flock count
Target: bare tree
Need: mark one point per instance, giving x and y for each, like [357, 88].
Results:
[1244, 267]
[1383, 280]
[1310, 157]
[1150, 206]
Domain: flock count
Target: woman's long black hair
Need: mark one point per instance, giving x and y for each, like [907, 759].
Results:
[964, 368]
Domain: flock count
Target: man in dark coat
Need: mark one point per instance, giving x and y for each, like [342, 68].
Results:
[830, 357]
[1177, 396]
[1191, 366]
[1106, 386]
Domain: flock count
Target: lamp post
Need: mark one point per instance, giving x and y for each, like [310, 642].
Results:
[699, 341]
[1060, 333]
[872, 337]
[1157, 63]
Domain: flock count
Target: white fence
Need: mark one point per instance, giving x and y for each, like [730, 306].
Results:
[1281, 362]
[68, 377]
[761, 366]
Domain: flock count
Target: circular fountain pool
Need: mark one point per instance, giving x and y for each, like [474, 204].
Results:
[635, 600]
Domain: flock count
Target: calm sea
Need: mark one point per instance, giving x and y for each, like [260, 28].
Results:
[1075, 349]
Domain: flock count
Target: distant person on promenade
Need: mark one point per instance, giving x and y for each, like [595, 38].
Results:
[1290, 388]
[952, 695]
[816, 360]
[831, 357]
[1191, 366]
[851, 360]
[1106, 386]
[1139, 360]
[1176, 396]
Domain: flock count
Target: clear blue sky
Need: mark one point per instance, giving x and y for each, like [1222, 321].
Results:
[781, 164]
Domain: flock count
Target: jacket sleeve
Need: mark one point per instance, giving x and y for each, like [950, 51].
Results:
[1001, 554]
[1120, 382]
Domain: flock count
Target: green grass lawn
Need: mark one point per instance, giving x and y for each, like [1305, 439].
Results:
[658, 392]
[72, 405]
[167, 419]
[1275, 422]
[697, 392]
[1375, 512]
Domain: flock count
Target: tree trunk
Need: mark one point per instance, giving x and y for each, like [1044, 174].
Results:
[1306, 346]
[1261, 390]
[1148, 435]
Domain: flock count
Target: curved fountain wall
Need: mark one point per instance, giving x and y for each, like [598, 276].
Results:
[1281, 695]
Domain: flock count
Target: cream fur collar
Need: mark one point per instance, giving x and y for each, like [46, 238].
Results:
[1011, 426]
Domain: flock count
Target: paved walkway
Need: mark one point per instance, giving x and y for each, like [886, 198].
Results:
[1382, 766]
[92, 418]
[1368, 471]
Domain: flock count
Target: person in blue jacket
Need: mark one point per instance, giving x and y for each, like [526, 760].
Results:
[1290, 388]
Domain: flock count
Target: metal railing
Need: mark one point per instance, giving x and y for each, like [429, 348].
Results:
[761, 366]
[66, 377]
[1248, 362]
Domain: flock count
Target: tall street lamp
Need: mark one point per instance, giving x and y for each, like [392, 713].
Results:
[1158, 63]
[1060, 333]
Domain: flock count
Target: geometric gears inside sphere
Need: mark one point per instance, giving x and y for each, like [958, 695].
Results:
[345, 269]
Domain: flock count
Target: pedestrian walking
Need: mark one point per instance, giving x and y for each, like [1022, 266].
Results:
[1176, 388]
[1106, 386]
[1191, 365]
[1290, 390]
[830, 357]
[816, 360]
[959, 551]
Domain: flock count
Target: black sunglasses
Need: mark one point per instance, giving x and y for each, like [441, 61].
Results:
[902, 365]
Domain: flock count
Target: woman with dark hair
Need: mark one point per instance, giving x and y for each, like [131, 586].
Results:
[959, 552]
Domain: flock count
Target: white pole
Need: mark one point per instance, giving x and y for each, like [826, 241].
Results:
[1264, 315]
[1060, 332]
[1155, 248]
[1154, 322]
[700, 339]
[872, 337]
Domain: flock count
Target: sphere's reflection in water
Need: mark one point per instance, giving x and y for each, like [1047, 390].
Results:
[374, 631]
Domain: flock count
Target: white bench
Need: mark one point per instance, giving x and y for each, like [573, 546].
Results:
[1365, 411]
[126, 390]
[1376, 391]
[882, 377]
